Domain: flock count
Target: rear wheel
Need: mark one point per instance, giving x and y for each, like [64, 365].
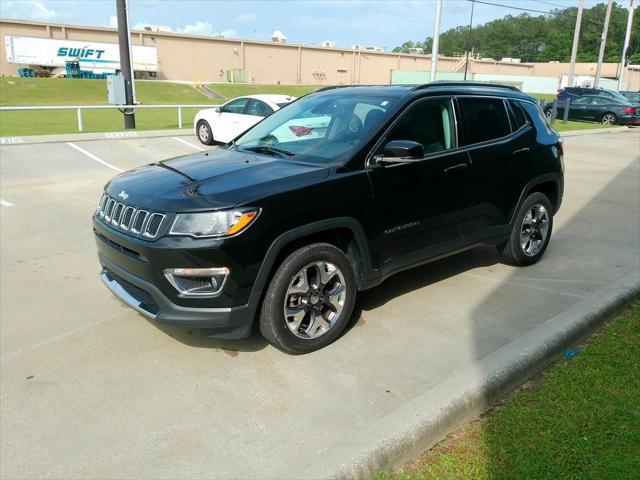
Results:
[530, 233]
[608, 119]
[310, 299]
[548, 113]
[203, 130]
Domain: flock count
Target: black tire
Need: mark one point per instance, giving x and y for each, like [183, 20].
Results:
[548, 113]
[273, 323]
[204, 133]
[608, 119]
[512, 251]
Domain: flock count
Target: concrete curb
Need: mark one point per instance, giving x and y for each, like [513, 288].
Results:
[577, 133]
[405, 433]
[83, 137]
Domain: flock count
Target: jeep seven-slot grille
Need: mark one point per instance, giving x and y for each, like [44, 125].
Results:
[129, 218]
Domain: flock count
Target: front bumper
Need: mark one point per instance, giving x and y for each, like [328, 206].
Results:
[132, 269]
[145, 298]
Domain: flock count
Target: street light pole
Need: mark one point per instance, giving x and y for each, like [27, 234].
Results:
[603, 43]
[574, 48]
[466, 62]
[436, 41]
[627, 36]
[124, 42]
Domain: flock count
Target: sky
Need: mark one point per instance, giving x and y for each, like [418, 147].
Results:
[385, 23]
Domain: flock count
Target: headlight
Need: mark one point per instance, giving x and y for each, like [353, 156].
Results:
[213, 224]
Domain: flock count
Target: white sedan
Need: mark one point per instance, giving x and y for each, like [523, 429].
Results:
[224, 123]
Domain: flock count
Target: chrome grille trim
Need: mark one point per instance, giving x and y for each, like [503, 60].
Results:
[128, 218]
[107, 211]
[117, 212]
[153, 225]
[139, 221]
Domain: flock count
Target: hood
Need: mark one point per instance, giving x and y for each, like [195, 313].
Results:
[216, 179]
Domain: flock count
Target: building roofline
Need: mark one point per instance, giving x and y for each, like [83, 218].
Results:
[219, 39]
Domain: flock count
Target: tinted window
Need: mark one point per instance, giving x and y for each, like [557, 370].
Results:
[521, 118]
[429, 123]
[602, 100]
[581, 101]
[484, 119]
[259, 109]
[236, 106]
[537, 117]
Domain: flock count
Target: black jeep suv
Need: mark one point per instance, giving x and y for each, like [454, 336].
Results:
[328, 196]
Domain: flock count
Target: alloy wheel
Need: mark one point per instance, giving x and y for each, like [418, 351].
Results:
[203, 133]
[314, 300]
[608, 119]
[534, 230]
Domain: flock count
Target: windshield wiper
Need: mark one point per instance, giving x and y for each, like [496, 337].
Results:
[160, 164]
[270, 149]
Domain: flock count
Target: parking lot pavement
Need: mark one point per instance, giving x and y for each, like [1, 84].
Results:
[91, 389]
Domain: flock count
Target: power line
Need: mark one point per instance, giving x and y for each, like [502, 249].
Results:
[555, 14]
[513, 8]
[551, 4]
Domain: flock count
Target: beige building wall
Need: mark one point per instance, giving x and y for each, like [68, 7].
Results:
[185, 57]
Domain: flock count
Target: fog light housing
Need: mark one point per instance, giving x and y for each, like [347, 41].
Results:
[197, 282]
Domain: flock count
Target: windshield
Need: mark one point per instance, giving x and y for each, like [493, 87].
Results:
[319, 128]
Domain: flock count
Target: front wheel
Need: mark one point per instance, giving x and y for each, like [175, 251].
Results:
[608, 119]
[203, 130]
[310, 299]
[530, 233]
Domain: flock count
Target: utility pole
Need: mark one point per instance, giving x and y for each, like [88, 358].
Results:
[625, 47]
[124, 42]
[574, 48]
[603, 43]
[466, 62]
[436, 42]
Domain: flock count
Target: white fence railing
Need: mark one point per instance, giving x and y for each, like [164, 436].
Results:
[80, 108]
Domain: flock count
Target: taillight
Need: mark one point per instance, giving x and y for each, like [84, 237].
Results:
[630, 110]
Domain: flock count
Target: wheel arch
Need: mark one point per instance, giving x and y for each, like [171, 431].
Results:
[345, 233]
[550, 184]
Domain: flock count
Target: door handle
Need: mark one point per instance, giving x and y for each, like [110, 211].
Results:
[521, 150]
[455, 168]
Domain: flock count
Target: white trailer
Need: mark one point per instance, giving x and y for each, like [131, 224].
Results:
[93, 56]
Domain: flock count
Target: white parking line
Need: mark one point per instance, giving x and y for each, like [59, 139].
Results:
[188, 143]
[4, 203]
[93, 157]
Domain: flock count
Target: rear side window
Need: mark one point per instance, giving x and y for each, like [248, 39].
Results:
[538, 118]
[520, 117]
[484, 119]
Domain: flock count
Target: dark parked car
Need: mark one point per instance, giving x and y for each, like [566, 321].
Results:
[606, 110]
[574, 92]
[326, 197]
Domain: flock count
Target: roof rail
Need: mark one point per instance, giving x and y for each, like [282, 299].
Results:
[450, 83]
[331, 87]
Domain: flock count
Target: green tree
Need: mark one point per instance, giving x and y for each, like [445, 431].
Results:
[540, 38]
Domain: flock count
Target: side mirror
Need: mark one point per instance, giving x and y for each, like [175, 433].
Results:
[218, 109]
[401, 151]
